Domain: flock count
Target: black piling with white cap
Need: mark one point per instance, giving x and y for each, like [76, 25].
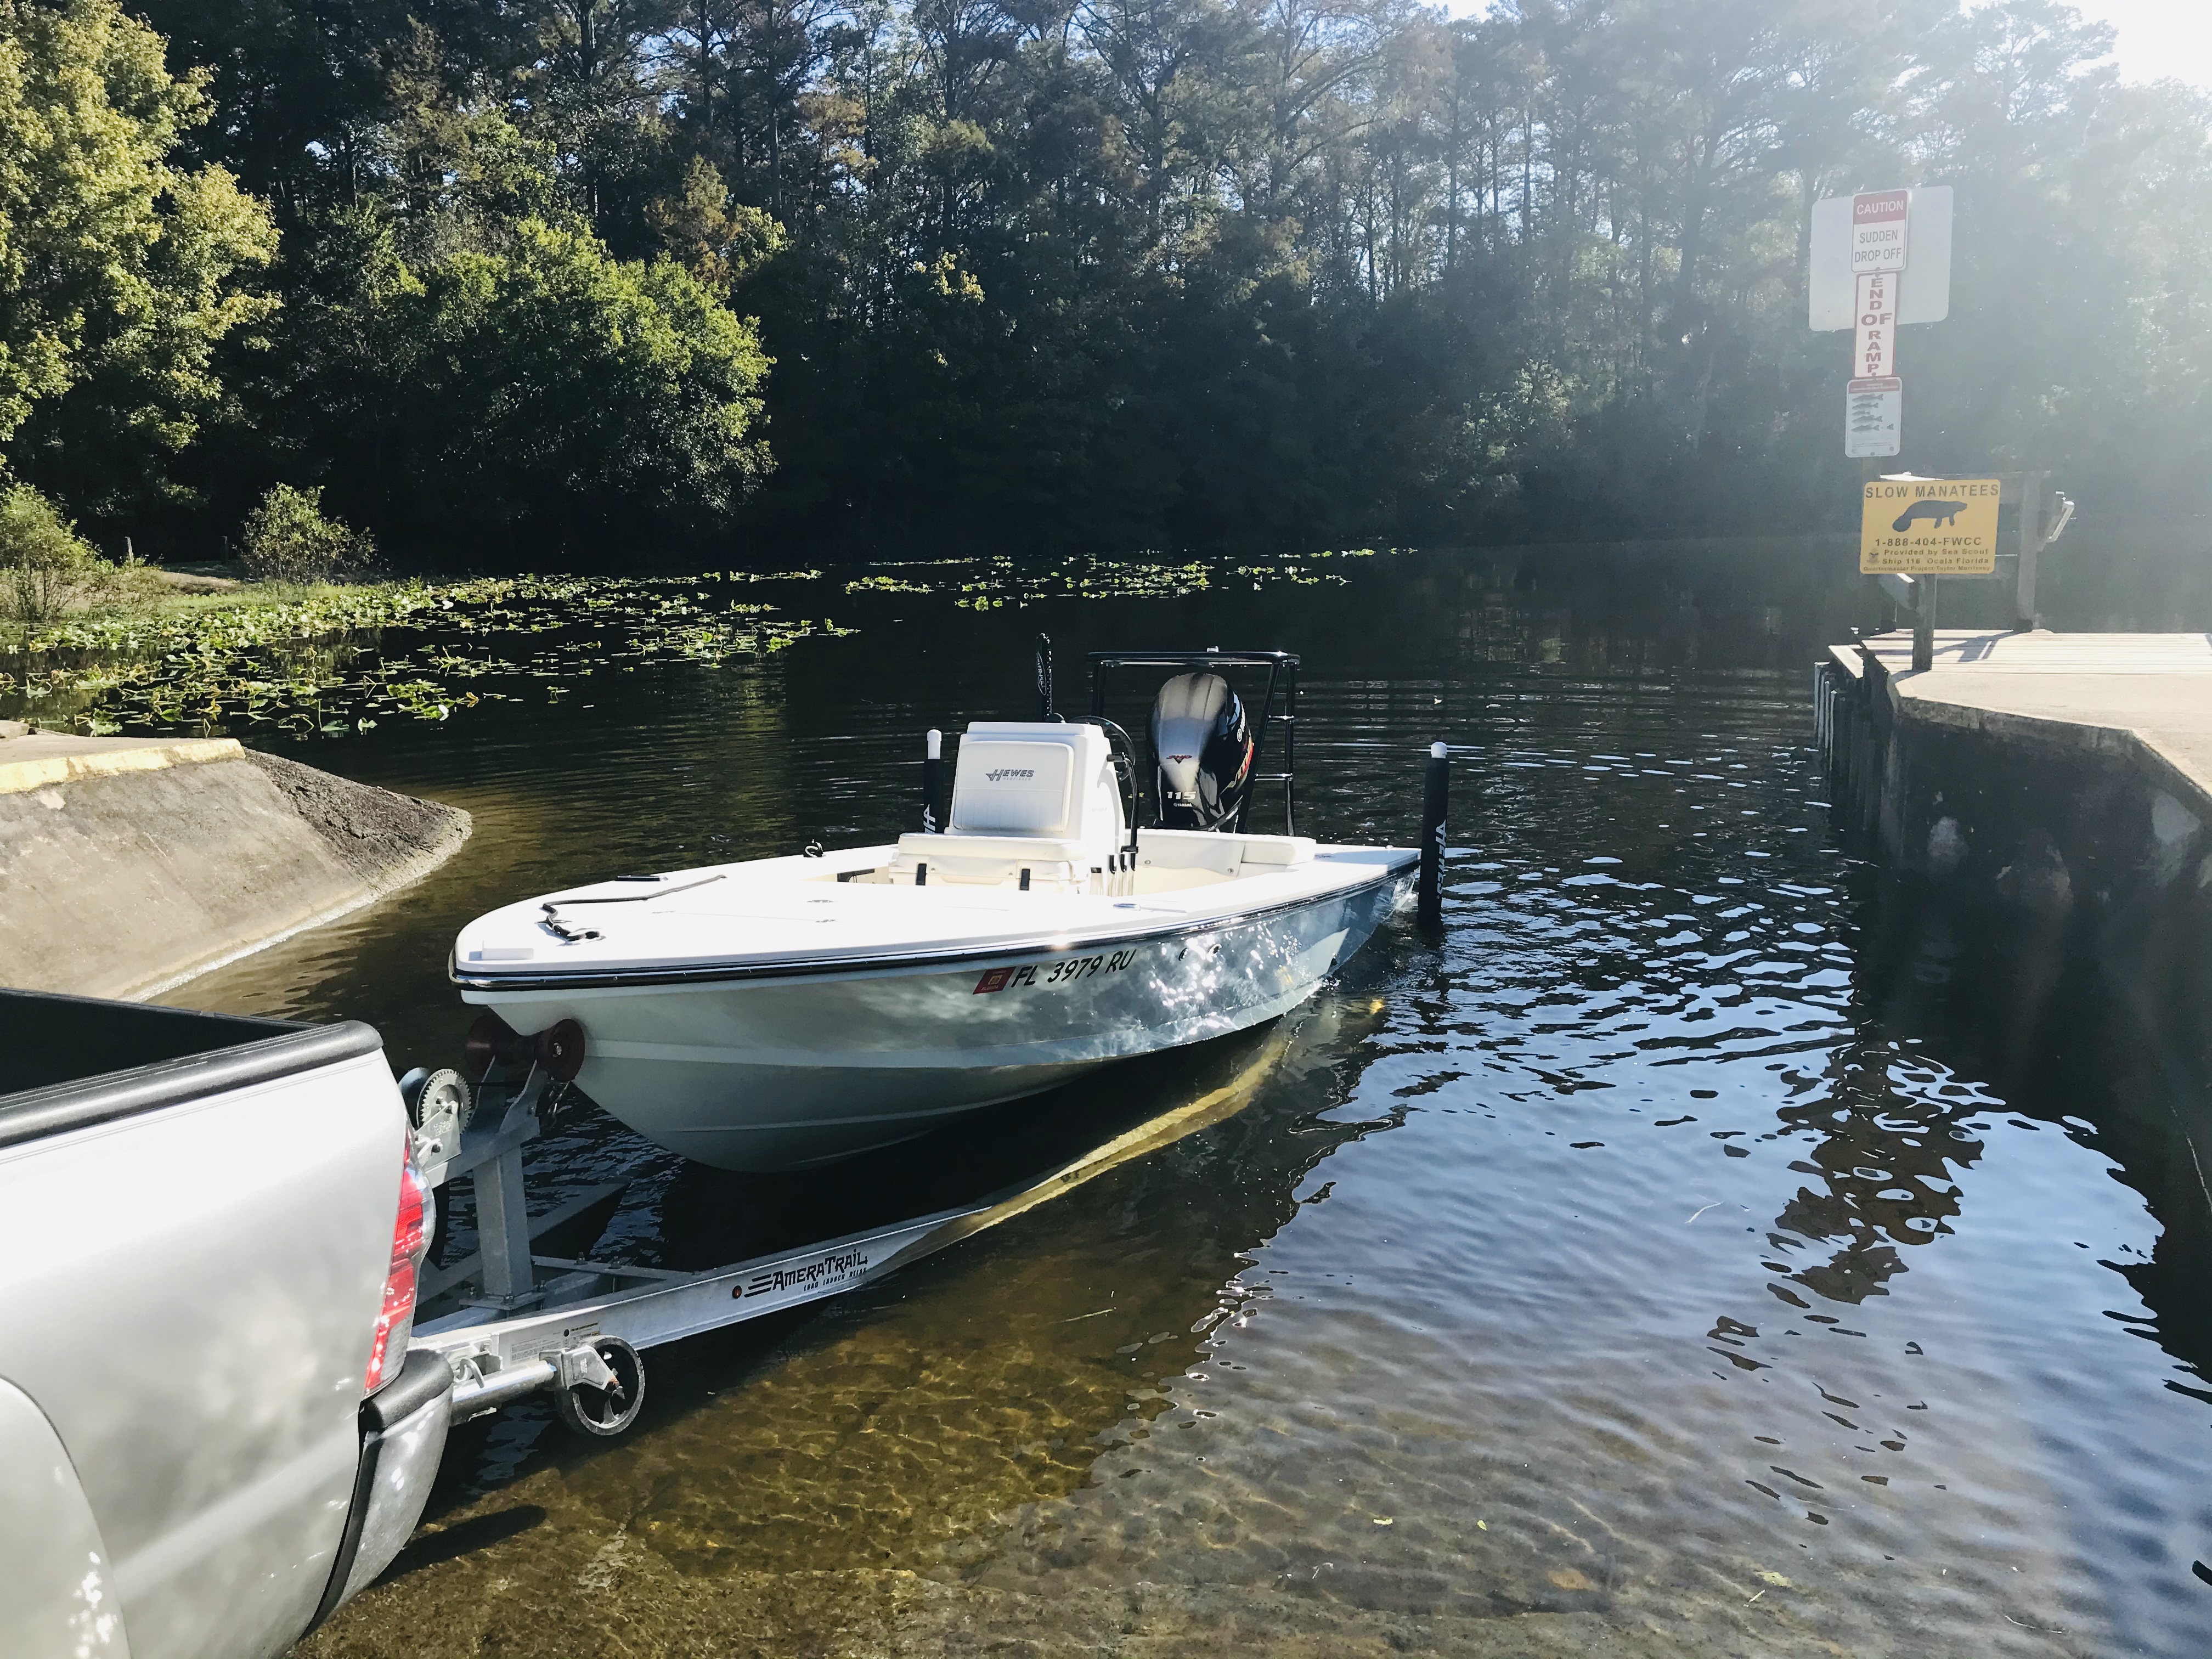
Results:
[932, 782]
[1436, 800]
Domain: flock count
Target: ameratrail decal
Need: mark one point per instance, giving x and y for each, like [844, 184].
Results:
[832, 1269]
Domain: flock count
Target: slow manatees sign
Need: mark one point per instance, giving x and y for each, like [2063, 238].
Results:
[1929, 526]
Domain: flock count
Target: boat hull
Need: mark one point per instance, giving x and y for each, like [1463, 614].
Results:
[767, 1073]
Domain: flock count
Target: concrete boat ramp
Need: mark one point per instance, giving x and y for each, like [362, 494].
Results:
[2055, 767]
[2147, 697]
[2063, 781]
[129, 865]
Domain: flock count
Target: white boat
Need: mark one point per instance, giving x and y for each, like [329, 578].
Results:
[784, 1012]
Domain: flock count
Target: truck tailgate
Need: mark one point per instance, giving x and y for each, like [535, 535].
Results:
[197, 1255]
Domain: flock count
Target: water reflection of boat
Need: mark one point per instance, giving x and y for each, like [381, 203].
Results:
[780, 1013]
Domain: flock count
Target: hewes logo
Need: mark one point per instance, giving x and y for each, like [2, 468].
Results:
[1005, 772]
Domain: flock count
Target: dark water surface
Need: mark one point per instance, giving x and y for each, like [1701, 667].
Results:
[1701, 1247]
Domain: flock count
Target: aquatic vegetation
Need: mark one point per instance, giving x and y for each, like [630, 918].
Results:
[334, 661]
[327, 662]
[1082, 577]
[1290, 572]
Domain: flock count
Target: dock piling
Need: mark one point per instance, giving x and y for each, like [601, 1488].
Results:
[1435, 804]
[1923, 624]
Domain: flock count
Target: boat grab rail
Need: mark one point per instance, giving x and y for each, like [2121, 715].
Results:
[638, 898]
[561, 930]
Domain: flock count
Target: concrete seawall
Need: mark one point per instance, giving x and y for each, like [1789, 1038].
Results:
[2047, 769]
[2065, 780]
[127, 867]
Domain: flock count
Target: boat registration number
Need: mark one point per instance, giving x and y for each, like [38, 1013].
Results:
[1065, 972]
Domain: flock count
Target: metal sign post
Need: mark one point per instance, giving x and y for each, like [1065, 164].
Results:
[2030, 549]
[2044, 515]
[1880, 260]
[1925, 540]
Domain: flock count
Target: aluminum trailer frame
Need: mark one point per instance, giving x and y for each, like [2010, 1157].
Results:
[547, 1322]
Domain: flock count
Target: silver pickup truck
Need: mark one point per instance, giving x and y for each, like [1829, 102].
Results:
[212, 1433]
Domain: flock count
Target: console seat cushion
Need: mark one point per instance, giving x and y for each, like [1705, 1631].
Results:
[1037, 851]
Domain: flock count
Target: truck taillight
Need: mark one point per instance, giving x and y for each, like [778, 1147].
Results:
[411, 1240]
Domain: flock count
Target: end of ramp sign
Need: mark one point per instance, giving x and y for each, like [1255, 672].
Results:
[1928, 527]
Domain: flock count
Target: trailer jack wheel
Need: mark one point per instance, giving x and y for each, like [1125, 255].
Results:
[601, 1387]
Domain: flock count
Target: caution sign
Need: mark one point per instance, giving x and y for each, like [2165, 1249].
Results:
[1929, 526]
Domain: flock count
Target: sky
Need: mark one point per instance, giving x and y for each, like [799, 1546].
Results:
[2157, 38]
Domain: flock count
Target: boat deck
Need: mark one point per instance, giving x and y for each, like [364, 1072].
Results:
[775, 914]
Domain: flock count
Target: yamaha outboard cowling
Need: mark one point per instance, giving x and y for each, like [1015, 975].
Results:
[1201, 753]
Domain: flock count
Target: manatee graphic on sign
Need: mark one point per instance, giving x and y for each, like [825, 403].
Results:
[1929, 526]
[1942, 515]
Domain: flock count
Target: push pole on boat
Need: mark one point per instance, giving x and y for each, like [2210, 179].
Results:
[1435, 803]
[932, 781]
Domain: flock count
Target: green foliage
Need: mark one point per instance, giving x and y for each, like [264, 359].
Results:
[539, 389]
[716, 239]
[120, 272]
[47, 570]
[287, 539]
[337, 660]
[45, 565]
[1190, 274]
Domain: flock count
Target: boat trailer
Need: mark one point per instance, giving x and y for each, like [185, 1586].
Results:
[576, 1328]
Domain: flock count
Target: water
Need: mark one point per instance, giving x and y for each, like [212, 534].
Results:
[1701, 1247]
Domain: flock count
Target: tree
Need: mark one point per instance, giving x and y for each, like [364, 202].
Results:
[540, 397]
[1063, 274]
[120, 272]
[287, 539]
[47, 568]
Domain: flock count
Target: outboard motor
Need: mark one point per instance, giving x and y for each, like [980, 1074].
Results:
[1201, 753]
